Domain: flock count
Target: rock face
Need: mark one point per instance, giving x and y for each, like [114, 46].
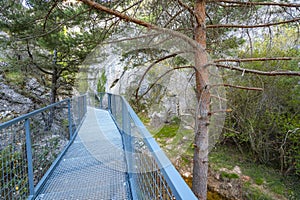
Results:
[13, 104]
[173, 95]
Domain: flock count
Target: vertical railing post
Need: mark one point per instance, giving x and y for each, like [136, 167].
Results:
[127, 139]
[101, 100]
[109, 102]
[85, 104]
[70, 119]
[29, 158]
[81, 107]
[78, 111]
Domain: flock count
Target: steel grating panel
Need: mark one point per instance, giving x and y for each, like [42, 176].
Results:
[93, 167]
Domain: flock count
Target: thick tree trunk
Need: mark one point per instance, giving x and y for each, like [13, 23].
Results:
[200, 162]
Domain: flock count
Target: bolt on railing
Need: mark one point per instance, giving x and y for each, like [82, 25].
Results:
[151, 174]
[32, 144]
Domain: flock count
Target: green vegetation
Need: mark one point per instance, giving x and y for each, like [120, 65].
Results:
[101, 83]
[264, 179]
[13, 172]
[228, 156]
[229, 175]
[253, 193]
[260, 174]
[15, 78]
[167, 131]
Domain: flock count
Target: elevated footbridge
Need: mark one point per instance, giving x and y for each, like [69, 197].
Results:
[87, 147]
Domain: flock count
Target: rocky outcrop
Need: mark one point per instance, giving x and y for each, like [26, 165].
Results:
[14, 103]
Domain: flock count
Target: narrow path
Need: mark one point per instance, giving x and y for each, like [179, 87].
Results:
[94, 166]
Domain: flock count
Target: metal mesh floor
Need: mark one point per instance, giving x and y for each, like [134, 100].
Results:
[93, 167]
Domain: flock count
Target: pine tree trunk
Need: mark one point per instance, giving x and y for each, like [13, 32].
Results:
[200, 162]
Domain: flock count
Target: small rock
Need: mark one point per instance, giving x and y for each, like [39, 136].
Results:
[246, 178]
[237, 170]
[187, 174]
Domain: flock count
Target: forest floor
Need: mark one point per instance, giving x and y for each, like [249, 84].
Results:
[237, 176]
[233, 175]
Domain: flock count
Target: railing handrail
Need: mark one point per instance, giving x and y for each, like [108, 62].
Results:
[74, 120]
[176, 183]
[28, 115]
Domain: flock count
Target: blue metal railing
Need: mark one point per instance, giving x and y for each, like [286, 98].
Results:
[151, 174]
[31, 145]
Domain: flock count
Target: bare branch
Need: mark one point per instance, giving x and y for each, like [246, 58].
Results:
[191, 11]
[252, 3]
[152, 65]
[220, 111]
[160, 77]
[251, 26]
[173, 17]
[218, 97]
[264, 73]
[48, 14]
[186, 7]
[241, 87]
[237, 86]
[36, 65]
[254, 59]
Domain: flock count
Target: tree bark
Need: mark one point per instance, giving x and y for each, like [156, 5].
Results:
[200, 161]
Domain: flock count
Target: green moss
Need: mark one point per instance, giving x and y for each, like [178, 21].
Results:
[15, 77]
[167, 131]
[229, 175]
[259, 181]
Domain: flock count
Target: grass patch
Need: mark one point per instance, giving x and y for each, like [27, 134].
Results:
[144, 118]
[15, 77]
[259, 181]
[167, 131]
[253, 193]
[229, 175]
[268, 177]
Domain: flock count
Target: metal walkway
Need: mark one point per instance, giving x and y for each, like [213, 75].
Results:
[68, 151]
[94, 166]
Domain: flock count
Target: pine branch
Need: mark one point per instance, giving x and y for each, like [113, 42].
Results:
[253, 59]
[127, 18]
[251, 26]
[28, 37]
[251, 3]
[258, 72]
